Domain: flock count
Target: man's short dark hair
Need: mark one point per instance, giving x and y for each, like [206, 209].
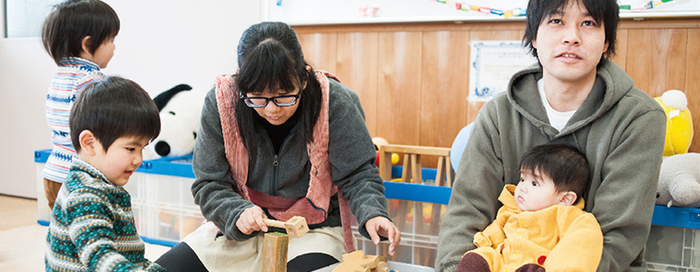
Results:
[112, 108]
[564, 164]
[71, 21]
[602, 11]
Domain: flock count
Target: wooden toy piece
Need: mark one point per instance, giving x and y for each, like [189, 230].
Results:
[350, 267]
[295, 226]
[382, 267]
[358, 261]
[369, 261]
[351, 262]
[355, 255]
[275, 252]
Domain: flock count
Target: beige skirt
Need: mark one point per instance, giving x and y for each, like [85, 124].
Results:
[220, 254]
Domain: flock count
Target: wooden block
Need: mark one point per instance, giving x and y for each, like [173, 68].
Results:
[351, 266]
[354, 262]
[382, 267]
[295, 226]
[355, 255]
[275, 252]
[370, 261]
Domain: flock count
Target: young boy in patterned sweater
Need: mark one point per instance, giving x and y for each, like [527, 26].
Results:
[92, 226]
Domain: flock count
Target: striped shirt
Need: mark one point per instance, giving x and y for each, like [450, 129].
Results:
[70, 78]
[92, 226]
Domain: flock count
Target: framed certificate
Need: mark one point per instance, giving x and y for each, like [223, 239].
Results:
[492, 64]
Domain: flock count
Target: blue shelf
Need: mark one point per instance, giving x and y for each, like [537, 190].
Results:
[171, 166]
[676, 217]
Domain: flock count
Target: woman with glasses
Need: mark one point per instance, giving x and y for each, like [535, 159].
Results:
[278, 139]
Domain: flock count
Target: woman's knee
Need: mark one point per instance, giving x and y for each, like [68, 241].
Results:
[181, 258]
[310, 262]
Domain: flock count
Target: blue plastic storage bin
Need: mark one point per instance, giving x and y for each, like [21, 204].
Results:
[165, 212]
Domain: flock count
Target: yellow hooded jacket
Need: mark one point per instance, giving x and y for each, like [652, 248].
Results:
[559, 238]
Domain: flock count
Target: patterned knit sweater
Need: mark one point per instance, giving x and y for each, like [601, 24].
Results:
[70, 78]
[92, 226]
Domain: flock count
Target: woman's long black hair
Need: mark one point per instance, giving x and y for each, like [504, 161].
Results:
[270, 58]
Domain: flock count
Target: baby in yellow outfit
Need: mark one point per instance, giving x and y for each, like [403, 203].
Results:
[541, 225]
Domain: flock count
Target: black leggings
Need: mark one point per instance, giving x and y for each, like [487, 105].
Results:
[181, 258]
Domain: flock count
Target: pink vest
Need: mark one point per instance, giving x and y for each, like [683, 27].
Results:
[314, 206]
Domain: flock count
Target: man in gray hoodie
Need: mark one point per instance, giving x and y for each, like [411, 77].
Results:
[577, 96]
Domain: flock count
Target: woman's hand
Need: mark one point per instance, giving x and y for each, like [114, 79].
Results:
[251, 220]
[382, 226]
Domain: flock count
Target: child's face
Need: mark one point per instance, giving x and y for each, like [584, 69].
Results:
[102, 55]
[120, 161]
[536, 192]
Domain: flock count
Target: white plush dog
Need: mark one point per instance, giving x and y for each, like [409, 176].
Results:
[180, 109]
[679, 181]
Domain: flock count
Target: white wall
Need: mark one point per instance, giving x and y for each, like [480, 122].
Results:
[161, 44]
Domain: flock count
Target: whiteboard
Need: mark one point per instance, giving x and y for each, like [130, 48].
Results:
[319, 12]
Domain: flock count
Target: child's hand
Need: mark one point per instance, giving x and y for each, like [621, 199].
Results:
[251, 220]
[382, 226]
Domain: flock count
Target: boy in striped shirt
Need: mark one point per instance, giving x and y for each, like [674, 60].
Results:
[79, 36]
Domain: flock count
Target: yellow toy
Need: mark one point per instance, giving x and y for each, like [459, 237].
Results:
[679, 124]
[379, 141]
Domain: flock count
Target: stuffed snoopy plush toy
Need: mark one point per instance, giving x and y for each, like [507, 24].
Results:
[180, 109]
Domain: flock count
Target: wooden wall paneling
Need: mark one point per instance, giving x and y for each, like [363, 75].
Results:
[444, 86]
[414, 26]
[398, 92]
[656, 59]
[659, 54]
[483, 35]
[692, 84]
[320, 50]
[620, 56]
[680, 23]
[357, 68]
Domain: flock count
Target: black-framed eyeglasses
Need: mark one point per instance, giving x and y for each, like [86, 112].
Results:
[280, 101]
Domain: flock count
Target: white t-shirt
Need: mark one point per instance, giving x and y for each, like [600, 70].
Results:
[557, 119]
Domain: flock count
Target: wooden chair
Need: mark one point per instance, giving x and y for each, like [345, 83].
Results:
[412, 174]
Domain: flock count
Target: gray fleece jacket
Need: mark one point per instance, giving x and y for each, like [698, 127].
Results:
[351, 154]
[620, 129]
